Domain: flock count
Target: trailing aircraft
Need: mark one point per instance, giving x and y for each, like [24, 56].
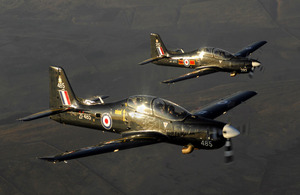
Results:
[205, 60]
[140, 119]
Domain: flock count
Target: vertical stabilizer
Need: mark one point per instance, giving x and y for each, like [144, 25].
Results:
[61, 93]
[158, 48]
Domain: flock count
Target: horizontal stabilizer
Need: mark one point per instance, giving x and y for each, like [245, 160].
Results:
[250, 49]
[222, 106]
[151, 60]
[43, 114]
[196, 73]
[105, 147]
[50, 112]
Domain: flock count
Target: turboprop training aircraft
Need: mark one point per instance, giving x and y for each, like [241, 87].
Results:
[205, 60]
[140, 119]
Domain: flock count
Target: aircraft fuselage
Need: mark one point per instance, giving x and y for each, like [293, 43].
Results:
[122, 118]
[208, 57]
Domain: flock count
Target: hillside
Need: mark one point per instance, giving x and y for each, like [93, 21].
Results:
[99, 44]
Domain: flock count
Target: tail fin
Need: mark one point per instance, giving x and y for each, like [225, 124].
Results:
[61, 93]
[62, 97]
[158, 48]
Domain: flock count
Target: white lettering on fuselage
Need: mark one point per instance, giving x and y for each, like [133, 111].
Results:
[85, 116]
[206, 143]
[244, 69]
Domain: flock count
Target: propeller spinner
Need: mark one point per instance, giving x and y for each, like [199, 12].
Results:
[255, 64]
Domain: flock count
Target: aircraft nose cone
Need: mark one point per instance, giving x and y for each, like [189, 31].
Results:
[229, 131]
[255, 63]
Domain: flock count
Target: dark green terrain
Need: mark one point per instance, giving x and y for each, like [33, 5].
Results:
[99, 44]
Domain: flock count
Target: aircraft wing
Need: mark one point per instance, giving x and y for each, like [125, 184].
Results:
[127, 142]
[250, 49]
[222, 106]
[196, 73]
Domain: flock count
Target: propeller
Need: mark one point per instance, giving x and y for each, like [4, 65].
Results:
[228, 149]
[262, 68]
[255, 64]
[228, 153]
[251, 72]
[229, 132]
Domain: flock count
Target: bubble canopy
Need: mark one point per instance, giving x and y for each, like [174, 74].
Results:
[216, 52]
[157, 106]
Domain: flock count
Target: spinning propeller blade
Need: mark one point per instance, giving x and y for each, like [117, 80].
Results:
[228, 153]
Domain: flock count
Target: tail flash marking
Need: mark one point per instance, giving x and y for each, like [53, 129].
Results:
[65, 97]
[160, 51]
[159, 48]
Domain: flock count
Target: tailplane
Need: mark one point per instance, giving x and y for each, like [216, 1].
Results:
[62, 97]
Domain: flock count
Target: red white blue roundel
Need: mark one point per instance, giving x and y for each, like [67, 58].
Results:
[106, 121]
[186, 62]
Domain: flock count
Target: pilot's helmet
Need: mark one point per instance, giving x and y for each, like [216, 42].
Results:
[171, 109]
[138, 100]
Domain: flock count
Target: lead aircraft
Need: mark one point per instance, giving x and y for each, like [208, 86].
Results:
[141, 120]
[205, 60]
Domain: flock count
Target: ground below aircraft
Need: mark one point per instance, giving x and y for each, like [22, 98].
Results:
[205, 60]
[141, 120]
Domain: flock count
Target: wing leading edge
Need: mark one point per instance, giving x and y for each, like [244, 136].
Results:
[219, 107]
[196, 73]
[109, 146]
[250, 49]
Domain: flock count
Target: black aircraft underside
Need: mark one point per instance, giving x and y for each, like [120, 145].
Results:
[204, 61]
[141, 120]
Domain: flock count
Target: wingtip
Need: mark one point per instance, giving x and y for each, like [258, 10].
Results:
[48, 158]
[142, 63]
[253, 93]
[24, 119]
[167, 82]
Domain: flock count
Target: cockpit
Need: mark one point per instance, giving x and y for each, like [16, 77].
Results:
[216, 52]
[222, 54]
[157, 106]
[141, 104]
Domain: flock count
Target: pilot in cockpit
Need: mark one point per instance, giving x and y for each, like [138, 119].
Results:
[136, 101]
[171, 110]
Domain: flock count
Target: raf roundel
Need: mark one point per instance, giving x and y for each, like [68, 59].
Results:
[186, 62]
[106, 121]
